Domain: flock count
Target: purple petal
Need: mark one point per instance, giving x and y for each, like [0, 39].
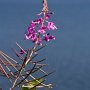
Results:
[46, 38]
[51, 26]
[52, 37]
[22, 51]
[27, 36]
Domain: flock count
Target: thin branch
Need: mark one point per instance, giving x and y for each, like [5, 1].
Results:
[18, 55]
[40, 48]
[7, 68]
[26, 76]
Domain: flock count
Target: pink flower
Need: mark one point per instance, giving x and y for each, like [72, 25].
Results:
[27, 37]
[32, 25]
[34, 38]
[42, 30]
[51, 26]
[46, 38]
[52, 37]
[38, 21]
[47, 16]
[38, 30]
[22, 51]
[39, 41]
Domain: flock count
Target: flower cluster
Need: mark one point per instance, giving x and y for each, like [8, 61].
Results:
[39, 29]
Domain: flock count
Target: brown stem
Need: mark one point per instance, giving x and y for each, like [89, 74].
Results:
[26, 61]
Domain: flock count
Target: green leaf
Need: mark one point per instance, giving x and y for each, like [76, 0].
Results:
[24, 88]
[32, 84]
[28, 88]
[35, 82]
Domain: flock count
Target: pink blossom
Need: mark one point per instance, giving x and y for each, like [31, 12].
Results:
[52, 37]
[51, 26]
[39, 41]
[42, 30]
[38, 30]
[32, 25]
[27, 37]
[22, 51]
[38, 21]
[34, 38]
[47, 16]
[46, 38]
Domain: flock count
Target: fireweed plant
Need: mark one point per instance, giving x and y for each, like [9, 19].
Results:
[22, 74]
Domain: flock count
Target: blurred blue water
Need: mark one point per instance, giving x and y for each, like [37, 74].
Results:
[69, 55]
